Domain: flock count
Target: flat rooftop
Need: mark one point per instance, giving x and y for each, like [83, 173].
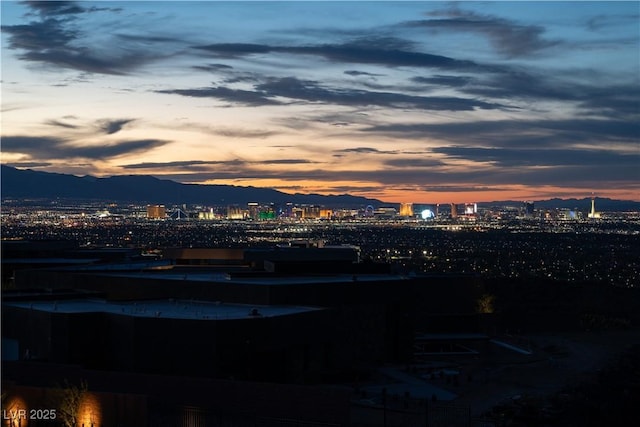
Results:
[266, 279]
[171, 308]
[51, 261]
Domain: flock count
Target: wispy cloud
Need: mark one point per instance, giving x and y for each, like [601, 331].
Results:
[356, 73]
[443, 80]
[54, 38]
[238, 96]
[52, 8]
[520, 133]
[113, 126]
[204, 165]
[275, 91]
[61, 124]
[45, 147]
[591, 177]
[541, 157]
[389, 51]
[509, 38]
[29, 164]
[366, 150]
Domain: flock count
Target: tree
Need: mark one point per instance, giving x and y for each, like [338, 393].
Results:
[67, 399]
[485, 304]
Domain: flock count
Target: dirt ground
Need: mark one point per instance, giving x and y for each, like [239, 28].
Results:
[556, 361]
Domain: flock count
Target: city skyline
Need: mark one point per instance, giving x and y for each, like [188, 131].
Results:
[403, 102]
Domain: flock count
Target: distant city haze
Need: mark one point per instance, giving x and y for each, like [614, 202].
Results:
[422, 102]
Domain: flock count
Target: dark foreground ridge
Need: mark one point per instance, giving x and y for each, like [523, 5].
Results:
[306, 334]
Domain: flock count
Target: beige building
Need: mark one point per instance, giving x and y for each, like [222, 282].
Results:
[156, 212]
[406, 209]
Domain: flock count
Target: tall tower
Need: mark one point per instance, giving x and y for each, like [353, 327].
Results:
[593, 213]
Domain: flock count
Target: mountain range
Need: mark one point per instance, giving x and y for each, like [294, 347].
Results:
[26, 183]
[30, 184]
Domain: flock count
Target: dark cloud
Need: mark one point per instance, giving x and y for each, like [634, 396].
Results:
[335, 189]
[356, 73]
[187, 165]
[521, 133]
[615, 100]
[107, 126]
[204, 165]
[460, 189]
[45, 148]
[491, 82]
[311, 91]
[408, 172]
[413, 162]
[113, 126]
[452, 81]
[145, 39]
[591, 177]
[579, 153]
[39, 36]
[508, 37]
[599, 22]
[61, 124]
[55, 7]
[61, 8]
[81, 59]
[245, 97]
[284, 162]
[540, 157]
[243, 133]
[212, 67]
[388, 51]
[235, 50]
[29, 164]
[224, 131]
[618, 102]
[53, 39]
[242, 78]
[520, 83]
[366, 150]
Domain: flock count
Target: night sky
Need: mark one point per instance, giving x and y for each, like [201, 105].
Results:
[402, 101]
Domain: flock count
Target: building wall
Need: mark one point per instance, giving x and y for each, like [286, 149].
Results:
[128, 400]
[98, 409]
[279, 348]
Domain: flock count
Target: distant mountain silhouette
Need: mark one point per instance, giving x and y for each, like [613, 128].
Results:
[26, 183]
[603, 204]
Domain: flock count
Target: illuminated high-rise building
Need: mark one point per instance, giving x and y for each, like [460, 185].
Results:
[326, 213]
[470, 208]
[311, 212]
[528, 209]
[156, 212]
[454, 210]
[287, 210]
[254, 210]
[267, 212]
[235, 212]
[406, 209]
